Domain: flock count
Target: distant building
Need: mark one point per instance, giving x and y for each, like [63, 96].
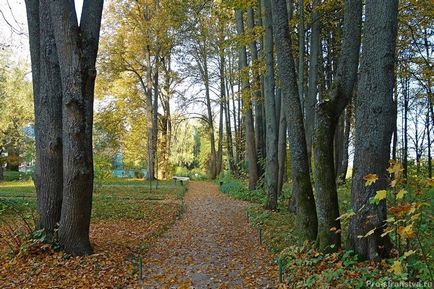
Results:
[119, 170]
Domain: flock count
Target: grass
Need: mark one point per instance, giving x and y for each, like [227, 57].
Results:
[114, 198]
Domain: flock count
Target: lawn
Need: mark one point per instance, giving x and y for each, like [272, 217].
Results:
[127, 216]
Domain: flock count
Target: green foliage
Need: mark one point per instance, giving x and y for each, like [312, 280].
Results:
[237, 189]
[16, 111]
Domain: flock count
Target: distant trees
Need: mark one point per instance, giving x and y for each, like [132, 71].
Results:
[64, 79]
[16, 114]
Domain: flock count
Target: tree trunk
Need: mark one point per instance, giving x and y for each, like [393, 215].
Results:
[258, 99]
[306, 213]
[219, 163]
[342, 174]
[225, 95]
[375, 116]
[301, 51]
[77, 48]
[312, 89]
[327, 115]
[248, 115]
[166, 119]
[405, 134]
[153, 133]
[281, 151]
[339, 144]
[213, 153]
[271, 164]
[47, 90]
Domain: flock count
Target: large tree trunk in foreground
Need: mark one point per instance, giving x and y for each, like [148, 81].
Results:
[327, 116]
[302, 188]
[271, 164]
[77, 48]
[375, 118]
[47, 90]
[250, 132]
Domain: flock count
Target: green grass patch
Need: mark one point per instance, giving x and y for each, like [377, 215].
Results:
[113, 199]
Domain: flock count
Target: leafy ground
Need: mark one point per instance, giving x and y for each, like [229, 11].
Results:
[127, 218]
[212, 246]
[410, 266]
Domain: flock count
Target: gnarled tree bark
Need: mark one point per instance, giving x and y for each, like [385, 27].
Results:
[375, 118]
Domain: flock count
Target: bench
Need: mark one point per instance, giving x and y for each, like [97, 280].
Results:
[181, 179]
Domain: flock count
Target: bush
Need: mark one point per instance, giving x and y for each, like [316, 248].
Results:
[237, 188]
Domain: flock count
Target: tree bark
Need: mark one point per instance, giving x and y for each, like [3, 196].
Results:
[219, 162]
[152, 162]
[213, 153]
[327, 115]
[306, 212]
[339, 144]
[342, 173]
[312, 89]
[271, 164]
[77, 48]
[226, 96]
[47, 90]
[405, 134]
[375, 118]
[166, 119]
[281, 152]
[248, 115]
[301, 51]
[258, 99]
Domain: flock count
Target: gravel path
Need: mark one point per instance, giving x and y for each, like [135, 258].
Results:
[212, 246]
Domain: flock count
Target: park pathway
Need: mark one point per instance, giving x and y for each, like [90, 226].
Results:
[211, 246]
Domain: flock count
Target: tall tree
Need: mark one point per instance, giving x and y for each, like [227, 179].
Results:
[375, 118]
[77, 47]
[258, 99]
[271, 164]
[327, 116]
[47, 91]
[247, 106]
[312, 89]
[302, 188]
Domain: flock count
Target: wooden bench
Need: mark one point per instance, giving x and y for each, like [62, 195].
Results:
[181, 179]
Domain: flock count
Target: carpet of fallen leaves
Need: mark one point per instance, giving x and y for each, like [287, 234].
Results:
[212, 246]
[117, 242]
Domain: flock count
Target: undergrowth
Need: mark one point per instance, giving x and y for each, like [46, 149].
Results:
[409, 266]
